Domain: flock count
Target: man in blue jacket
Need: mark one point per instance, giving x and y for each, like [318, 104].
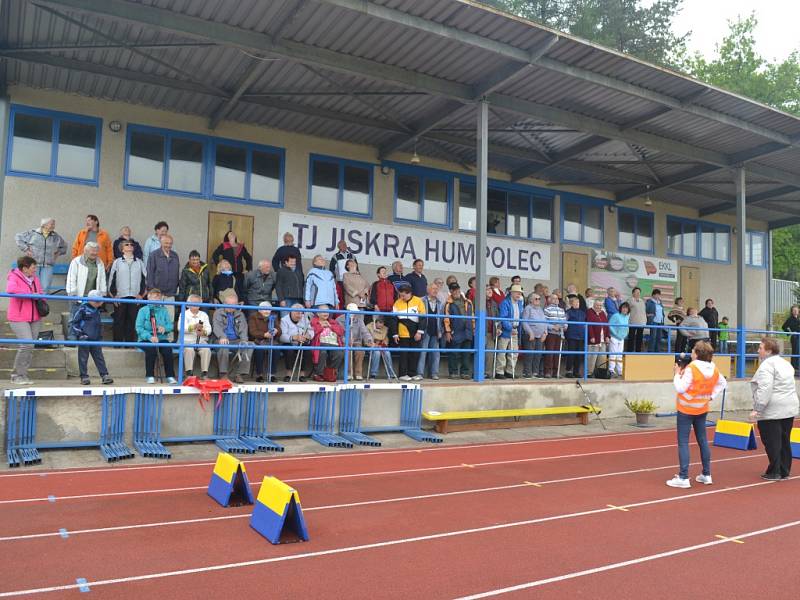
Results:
[510, 333]
[654, 310]
[611, 302]
[321, 286]
[88, 327]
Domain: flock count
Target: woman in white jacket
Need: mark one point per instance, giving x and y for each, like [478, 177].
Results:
[775, 406]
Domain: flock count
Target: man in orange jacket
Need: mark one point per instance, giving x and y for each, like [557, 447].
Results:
[93, 233]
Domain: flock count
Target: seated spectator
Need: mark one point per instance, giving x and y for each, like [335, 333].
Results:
[294, 332]
[289, 283]
[259, 284]
[699, 333]
[126, 236]
[196, 329]
[237, 256]
[287, 250]
[126, 280]
[575, 336]
[44, 245]
[458, 333]
[380, 338]
[196, 279]
[224, 281]
[359, 337]
[92, 233]
[264, 330]
[329, 334]
[229, 327]
[618, 330]
[320, 286]
[153, 324]
[88, 327]
[407, 329]
[356, 288]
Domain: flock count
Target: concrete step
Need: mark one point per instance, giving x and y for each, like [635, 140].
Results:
[121, 362]
[42, 358]
[37, 373]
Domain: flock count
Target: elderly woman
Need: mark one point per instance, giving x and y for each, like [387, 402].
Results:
[44, 246]
[775, 406]
[23, 315]
[356, 288]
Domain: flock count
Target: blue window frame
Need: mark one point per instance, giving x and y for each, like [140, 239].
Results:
[699, 240]
[582, 220]
[340, 186]
[58, 146]
[423, 196]
[635, 230]
[186, 164]
[514, 210]
[755, 249]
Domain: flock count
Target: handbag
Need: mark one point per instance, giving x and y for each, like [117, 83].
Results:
[42, 307]
[46, 336]
[601, 372]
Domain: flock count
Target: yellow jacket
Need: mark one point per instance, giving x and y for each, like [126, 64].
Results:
[410, 314]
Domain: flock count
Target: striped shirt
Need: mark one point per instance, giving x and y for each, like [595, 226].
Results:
[556, 319]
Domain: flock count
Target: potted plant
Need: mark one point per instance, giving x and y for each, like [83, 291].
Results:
[642, 409]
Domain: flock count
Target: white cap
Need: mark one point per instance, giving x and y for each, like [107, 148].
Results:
[266, 304]
[352, 306]
[95, 294]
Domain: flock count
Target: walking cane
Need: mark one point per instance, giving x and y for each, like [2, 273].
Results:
[369, 363]
[560, 346]
[387, 364]
[494, 359]
[271, 329]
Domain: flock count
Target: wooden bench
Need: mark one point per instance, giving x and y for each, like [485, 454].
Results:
[511, 417]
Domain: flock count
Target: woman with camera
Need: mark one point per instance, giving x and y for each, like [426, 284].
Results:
[697, 384]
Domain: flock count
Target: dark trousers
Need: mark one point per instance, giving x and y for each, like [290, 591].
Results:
[531, 363]
[713, 335]
[635, 339]
[260, 359]
[290, 355]
[150, 355]
[575, 361]
[796, 351]
[552, 343]
[408, 360]
[124, 327]
[680, 343]
[459, 360]
[328, 359]
[775, 437]
[97, 356]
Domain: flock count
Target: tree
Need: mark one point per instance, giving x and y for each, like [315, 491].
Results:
[786, 253]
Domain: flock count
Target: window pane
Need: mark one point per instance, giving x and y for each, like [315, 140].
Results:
[572, 222]
[496, 212]
[592, 229]
[689, 240]
[758, 250]
[185, 165]
[408, 201]
[747, 258]
[627, 230]
[644, 233]
[356, 190]
[146, 160]
[325, 185]
[467, 213]
[230, 168]
[674, 237]
[33, 144]
[435, 201]
[518, 209]
[542, 220]
[722, 245]
[706, 242]
[265, 176]
[76, 150]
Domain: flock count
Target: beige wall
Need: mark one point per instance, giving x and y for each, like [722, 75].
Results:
[27, 200]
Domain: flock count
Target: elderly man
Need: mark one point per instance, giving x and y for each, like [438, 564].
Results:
[259, 284]
[320, 286]
[44, 246]
[556, 325]
[510, 333]
[86, 273]
[92, 233]
[295, 326]
[432, 333]
[397, 278]
[572, 290]
[611, 303]
[164, 271]
[339, 260]
[286, 251]
[229, 326]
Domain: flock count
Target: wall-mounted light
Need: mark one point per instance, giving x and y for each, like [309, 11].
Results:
[647, 200]
[115, 126]
[735, 231]
[611, 208]
[415, 156]
[385, 169]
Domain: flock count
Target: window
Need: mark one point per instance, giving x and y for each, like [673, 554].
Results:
[513, 211]
[582, 221]
[695, 239]
[755, 246]
[53, 145]
[201, 166]
[635, 230]
[423, 196]
[340, 186]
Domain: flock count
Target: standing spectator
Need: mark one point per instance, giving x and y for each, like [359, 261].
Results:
[263, 326]
[417, 279]
[723, 335]
[533, 335]
[711, 317]
[611, 303]
[235, 252]
[224, 281]
[153, 324]
[397, 278]
[407, 330]
[471, 283]
[196, 329]
[354, 286]
[44, 246]
[164, 272]
[92, 233]
[774, 408]
[338, 267]
[229, 326]
[511, 312]
[443, 294]
[320, 286]
[698, 331]
[432, 334]
[359, 337]
[676, 316]
[126, 279]
[294, 332]
[458, 333]
[288, 250]
[654, 311]
[196, 279]
[697, 384]
[588, 294]
[572, 290]
[327, 333]
[380, 338]
[88, 327]
[382, 294]
[618, 328]
[598, 335]
[792, 326]
[556, 325]
[575, 336]
[289, 283]
[126, 236]
[23, 315]
[86, 273]
[638, 319]
[154, 241]
[494, 298]
[563, 305]
[515, 280]
[259, 284]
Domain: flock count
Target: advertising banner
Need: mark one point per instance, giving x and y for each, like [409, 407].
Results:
[627, 271]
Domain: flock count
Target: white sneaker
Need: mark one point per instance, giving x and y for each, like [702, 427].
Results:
[150, 380]
[679, 482]
[417, 378]
[359, 378]
[171, 380]
[705, 479]
[404, 378]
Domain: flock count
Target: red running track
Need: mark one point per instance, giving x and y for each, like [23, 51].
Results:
[582, 517]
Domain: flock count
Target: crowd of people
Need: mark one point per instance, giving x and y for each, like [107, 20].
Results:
[425, 319]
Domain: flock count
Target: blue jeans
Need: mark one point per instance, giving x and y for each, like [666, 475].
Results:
[381, 356]
[685, 424]
[45, 277]
[723, 346]
[431, 358]
[655, 339]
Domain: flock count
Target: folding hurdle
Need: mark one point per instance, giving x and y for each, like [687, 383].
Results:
[22, 445]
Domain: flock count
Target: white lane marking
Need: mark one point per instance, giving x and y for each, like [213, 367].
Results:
[401, 541]
[366, 502]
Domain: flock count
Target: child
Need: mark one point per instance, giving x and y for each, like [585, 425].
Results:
[380, 338]
[224, 281]
[86, 326]
[723, 336]
[264, 330]
[153, 324]
[196, 329]
[326, 333]
[359, 336]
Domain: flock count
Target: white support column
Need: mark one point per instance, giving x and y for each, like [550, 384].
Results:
[481, 187]
[741, 259]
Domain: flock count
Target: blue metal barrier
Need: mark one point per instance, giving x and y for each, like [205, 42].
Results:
[147, 409]
[254, 408]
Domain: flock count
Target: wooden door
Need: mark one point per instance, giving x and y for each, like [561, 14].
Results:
[575, 269]
[221, 223]
[690, 287]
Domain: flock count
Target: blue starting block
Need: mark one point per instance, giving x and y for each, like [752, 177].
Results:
[795, 442]
[735, 434]
[277, 512]
[229, 484]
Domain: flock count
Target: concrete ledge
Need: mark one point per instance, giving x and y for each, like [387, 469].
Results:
[652, 367]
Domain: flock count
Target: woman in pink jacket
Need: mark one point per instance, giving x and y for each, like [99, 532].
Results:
[23, 316]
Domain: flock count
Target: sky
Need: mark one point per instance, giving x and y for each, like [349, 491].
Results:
[777, 34]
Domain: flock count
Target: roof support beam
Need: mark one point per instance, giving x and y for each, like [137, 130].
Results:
[668, 182]
[562, 157]
[110, 46]
[788, 222]
[751, 200]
